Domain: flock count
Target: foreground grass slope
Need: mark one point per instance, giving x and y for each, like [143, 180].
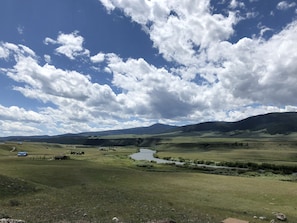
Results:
[105, 183]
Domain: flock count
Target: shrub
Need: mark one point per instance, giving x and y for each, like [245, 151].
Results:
[14, 203]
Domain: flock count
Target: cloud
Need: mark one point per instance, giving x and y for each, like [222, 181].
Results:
[156, 93]
[236, 4]
[19, 121]
[47, 58]
[9, 128]
[6, 49]
[20, 29]
[211, 78]
[49, 80]
[71, 45]
[231, 76]
[147, 92]
[258, 70]
[73, 96]
[263, 30]
[284, 5]
[4, 52]
[98, 58]
[15, 113]
[108, 5]
[249, 69]
[177, 28]
[50, 84]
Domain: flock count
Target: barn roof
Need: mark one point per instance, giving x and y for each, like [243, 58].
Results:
[22, 153]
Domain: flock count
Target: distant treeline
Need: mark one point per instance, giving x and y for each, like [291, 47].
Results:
[248, 166]
[122, 141]
[262, 166]
[279, 169]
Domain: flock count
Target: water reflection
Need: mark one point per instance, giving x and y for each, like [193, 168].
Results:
[148, 155]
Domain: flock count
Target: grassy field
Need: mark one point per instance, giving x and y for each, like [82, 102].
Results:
[272, 150]
[104, 183]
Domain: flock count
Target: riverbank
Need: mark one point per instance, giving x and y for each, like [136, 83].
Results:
[223, 168]
[149, 155]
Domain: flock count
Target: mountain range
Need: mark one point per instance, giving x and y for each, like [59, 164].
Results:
[271, 123]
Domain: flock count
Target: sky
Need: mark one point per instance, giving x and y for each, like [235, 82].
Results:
[90, 65]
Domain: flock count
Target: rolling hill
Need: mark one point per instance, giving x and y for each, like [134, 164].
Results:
[153, 129]
[271, 123]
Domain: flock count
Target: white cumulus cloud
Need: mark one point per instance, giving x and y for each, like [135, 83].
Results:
[211, 78]
[71, 45]
[284, 5]
[98, 58]
[232, 75]
[177, 28]
[4, 52]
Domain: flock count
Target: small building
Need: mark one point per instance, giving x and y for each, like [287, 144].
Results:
[234, 220]
[62, 157]
[20, 154]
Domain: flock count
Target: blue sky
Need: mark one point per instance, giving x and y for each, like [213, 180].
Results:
[76, 65]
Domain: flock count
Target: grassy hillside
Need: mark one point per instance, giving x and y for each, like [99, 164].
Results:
[272, 123]
[153, 129]
[104, 183]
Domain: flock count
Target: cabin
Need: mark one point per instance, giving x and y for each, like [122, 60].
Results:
[62, 157]
[77, 153]
[20, 154]
[234, 220]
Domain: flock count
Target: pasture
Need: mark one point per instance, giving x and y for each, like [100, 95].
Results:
[275, 150]
[104, 182]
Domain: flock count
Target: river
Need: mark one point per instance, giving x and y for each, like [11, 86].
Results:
[148, 155]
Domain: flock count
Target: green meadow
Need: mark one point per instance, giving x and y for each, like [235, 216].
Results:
[105, 182]
[275, 150]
